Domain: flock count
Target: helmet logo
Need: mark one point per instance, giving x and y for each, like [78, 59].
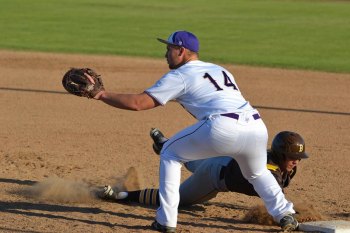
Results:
[301, 148]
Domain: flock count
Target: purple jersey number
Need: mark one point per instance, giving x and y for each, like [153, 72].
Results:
[227, 79]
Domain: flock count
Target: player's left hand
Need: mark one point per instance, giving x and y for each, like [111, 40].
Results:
[83, 82]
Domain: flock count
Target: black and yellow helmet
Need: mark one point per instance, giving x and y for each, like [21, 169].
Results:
[288, 144]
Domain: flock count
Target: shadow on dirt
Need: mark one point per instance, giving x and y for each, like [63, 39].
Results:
[15, 181]
[30, 209]
[58, 211]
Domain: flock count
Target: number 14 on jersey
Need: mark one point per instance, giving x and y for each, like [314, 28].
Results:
[227, 82]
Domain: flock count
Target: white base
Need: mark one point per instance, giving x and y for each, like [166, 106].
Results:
[338, 226]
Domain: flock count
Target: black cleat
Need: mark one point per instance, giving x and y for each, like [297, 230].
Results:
[158, 227]
[109, 194]
[289, 223]
[158, 139]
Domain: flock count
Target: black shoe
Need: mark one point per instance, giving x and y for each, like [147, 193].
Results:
[156, 226]
[158, 139]
[289, 223]
[109, 194]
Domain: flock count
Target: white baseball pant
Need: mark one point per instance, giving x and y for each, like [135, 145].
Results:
[244, 139]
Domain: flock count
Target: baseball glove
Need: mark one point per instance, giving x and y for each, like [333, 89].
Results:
[82, 82]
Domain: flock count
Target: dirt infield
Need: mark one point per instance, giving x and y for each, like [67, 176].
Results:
[54, 146]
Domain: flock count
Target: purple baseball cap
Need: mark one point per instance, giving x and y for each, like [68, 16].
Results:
[183, 39]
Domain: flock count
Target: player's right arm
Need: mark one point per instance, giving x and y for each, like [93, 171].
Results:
[278, 175]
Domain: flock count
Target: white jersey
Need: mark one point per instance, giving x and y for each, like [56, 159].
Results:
[202, 88]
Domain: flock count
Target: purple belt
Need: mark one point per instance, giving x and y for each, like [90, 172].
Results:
[236, 116]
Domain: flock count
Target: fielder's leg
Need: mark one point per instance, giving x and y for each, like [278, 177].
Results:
[189, 144]
[169, 197]
[252, 161]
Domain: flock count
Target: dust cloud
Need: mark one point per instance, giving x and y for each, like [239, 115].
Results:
[55, 189]
[61, 190]
[130, 182]
[304, 213]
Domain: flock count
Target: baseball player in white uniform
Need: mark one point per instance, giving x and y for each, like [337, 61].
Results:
[227, 126]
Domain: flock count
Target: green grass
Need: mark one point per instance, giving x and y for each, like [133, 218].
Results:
[275, 33]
